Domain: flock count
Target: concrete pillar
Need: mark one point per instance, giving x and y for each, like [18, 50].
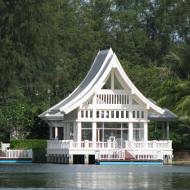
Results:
[145, 131]
[86, 159]
[71, 159]
[79, 132]
[94, 134]
[64, 158]
[167, 159]
[130, 131]
[61, 158]
[56, 132]
[167, 131]
[58, 158]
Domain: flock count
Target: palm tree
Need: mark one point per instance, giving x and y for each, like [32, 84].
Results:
[178, 60]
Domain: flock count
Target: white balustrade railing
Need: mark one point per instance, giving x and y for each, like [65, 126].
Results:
[18, 154]
[121, 155]
[147, 156]
[110, 154]
[129, 145]
[112, 98]
[149, 145]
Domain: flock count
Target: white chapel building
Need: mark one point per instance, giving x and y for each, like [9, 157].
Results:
[106, 118]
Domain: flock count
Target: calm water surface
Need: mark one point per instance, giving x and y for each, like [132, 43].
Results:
[74, 177]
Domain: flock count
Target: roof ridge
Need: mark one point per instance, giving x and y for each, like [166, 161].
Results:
[105, 51]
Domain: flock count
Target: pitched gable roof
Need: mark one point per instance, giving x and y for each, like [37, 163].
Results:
[100, 69]
[100, 60]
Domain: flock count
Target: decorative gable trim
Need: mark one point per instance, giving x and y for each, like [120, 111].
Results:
[105, 63]
[134, 90]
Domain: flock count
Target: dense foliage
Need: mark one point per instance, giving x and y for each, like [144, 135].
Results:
[38, 147]
[28, 144]
[47, 48]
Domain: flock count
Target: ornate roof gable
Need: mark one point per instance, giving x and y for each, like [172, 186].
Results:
[104, 62]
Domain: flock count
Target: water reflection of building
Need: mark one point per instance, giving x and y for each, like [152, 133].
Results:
[106, 117]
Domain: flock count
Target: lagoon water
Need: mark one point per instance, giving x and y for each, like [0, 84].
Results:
[109, 177]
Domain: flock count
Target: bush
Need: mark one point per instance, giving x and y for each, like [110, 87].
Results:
[28, 144]
[38, 148]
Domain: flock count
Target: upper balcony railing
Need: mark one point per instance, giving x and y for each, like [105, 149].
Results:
[112, 99]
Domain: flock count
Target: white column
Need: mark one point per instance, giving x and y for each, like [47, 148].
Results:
[71, 159]
[79, 113]
[130, 131]
[75, 131]
[56, 132]
[63, 133]
[145, 131]
[79, 128]
[86, 159]
[167, 131]
[98, 135]
[50, 133]
[94, 134]
[130, 113]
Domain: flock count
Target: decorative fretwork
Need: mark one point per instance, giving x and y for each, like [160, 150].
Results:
[111, 114]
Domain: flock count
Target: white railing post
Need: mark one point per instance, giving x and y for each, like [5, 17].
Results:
[130, 131]
[170, 144]
[94, 134]
[86, 144]
[109, 143]
[79, 128]
[18, 154]
[154, 144]
[146, 135]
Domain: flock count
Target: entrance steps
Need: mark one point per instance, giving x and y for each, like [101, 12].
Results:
[129, 156]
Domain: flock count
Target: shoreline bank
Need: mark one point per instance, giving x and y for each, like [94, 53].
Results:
[181, 162]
